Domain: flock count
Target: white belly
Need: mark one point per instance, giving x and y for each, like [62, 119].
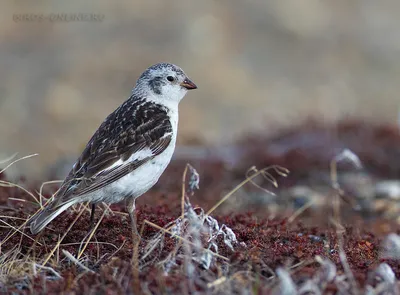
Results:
[137, 182]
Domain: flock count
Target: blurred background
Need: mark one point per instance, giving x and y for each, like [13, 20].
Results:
[260, 65]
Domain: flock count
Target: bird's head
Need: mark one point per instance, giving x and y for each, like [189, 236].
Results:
[165, 82]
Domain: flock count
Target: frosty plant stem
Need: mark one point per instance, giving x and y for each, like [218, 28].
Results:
[183, 239]
[345, 155]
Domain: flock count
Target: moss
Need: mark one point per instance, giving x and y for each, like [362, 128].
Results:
[266, 241]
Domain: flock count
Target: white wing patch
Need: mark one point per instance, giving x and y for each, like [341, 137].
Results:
[139, 155]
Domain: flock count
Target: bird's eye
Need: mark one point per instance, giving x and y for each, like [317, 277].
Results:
[170, 79]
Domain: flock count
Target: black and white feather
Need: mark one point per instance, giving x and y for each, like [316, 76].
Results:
[130, 150]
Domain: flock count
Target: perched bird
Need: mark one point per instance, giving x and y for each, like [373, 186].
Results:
[129, 151]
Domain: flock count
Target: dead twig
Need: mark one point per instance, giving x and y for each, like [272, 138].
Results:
[76, 261]
[17, 160]
[62, 238]
[278, 169]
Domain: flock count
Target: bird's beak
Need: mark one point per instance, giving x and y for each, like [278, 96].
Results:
[188, 84]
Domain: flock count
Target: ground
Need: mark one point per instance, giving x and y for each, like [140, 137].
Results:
[313, 231]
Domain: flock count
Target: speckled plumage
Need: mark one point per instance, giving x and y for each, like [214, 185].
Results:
[131, 148]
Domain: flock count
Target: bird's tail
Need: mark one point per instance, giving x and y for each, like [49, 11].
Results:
[44, 217]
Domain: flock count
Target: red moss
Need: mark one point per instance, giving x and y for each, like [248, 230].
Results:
[267, 242]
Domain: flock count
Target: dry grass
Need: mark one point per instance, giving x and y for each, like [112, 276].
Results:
[195, 236]
[193, 249]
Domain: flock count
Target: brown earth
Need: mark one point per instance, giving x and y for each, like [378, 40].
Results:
[266, 238]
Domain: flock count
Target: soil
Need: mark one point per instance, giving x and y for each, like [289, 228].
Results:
[266, 239]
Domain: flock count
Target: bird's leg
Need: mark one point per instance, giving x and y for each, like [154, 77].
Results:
[91, 225]
[93, 207]
[131, 208]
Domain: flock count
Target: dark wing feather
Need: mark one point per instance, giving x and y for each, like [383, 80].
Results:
[98, 182]
[134, 126]
[109, 176]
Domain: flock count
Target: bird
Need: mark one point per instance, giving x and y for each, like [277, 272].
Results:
[129, 151]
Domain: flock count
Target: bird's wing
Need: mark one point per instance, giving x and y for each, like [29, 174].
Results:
[129, 137]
